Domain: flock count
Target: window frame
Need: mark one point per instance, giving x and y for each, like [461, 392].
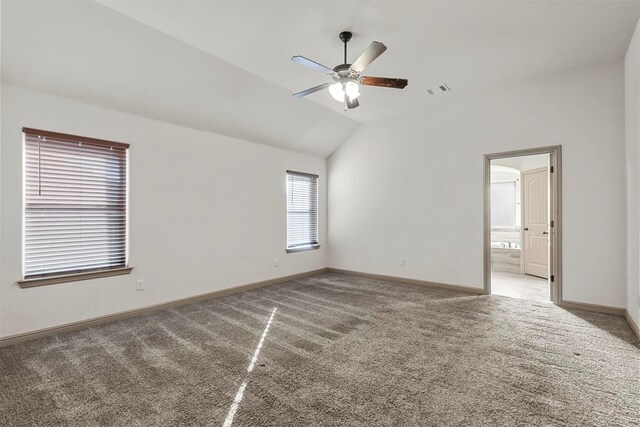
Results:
[309, 246]
[72, 275]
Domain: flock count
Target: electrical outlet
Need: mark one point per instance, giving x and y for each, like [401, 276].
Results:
[275, 262]
[140, 285]
[401, 262]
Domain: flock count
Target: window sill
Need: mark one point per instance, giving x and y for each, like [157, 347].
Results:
[64, 278]
[303, 249]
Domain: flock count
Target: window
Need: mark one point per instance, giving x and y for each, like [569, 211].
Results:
[302, 211]
[75, 207]
[503, 204]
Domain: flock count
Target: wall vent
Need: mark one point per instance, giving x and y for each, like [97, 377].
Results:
[440, 89]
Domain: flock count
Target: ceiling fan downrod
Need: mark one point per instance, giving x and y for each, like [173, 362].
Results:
[345, 36]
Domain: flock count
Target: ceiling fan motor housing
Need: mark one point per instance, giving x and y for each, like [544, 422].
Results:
[343, 73]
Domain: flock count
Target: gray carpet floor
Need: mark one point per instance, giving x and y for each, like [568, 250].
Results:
[340, 351]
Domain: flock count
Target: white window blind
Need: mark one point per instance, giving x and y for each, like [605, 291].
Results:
[302, 211]
[503, 204]
[75, 216]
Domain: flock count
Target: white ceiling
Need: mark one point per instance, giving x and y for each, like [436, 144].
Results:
[85, 51]
[470, 45]
[224, 66]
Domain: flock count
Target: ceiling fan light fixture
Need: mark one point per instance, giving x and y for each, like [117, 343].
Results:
[347, 78]
[337, 92]
[352, 89]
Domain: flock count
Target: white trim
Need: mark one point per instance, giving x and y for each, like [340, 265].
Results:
[555, 209]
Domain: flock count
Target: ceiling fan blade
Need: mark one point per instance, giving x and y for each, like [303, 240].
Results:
[311, 64]
[369, 55]
[312, 90]
[351, 104]
[384, 82]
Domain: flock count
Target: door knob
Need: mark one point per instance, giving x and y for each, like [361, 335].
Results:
[526, 229]
[545, 232]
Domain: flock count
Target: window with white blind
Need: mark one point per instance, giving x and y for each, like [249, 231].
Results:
[302, 211]
[75, 206]
[503, 204]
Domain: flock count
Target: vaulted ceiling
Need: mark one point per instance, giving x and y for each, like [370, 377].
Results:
[224, 66]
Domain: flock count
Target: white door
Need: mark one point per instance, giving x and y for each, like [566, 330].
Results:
[535, 196]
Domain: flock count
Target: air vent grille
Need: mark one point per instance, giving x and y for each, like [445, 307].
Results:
[440, 89]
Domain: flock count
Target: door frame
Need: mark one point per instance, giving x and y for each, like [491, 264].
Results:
[555, 215]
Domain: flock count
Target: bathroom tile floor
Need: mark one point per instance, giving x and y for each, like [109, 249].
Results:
[519, 286]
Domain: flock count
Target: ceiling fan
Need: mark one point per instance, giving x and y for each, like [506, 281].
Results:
[345, 86]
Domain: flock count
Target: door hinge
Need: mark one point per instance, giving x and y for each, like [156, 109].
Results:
[552, 223]
[552, 169]
[552, 278]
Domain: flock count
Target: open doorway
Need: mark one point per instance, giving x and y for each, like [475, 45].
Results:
[522, 226]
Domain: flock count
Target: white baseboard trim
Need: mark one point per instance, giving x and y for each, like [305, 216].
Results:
[593, 307]
[632, 323]
[475, 291]
[480, 291]
[606, 310]
[73, 326]
[68, 327]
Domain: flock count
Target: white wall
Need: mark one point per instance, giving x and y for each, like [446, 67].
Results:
[207, 212]
[632, 136]
[411, 186]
